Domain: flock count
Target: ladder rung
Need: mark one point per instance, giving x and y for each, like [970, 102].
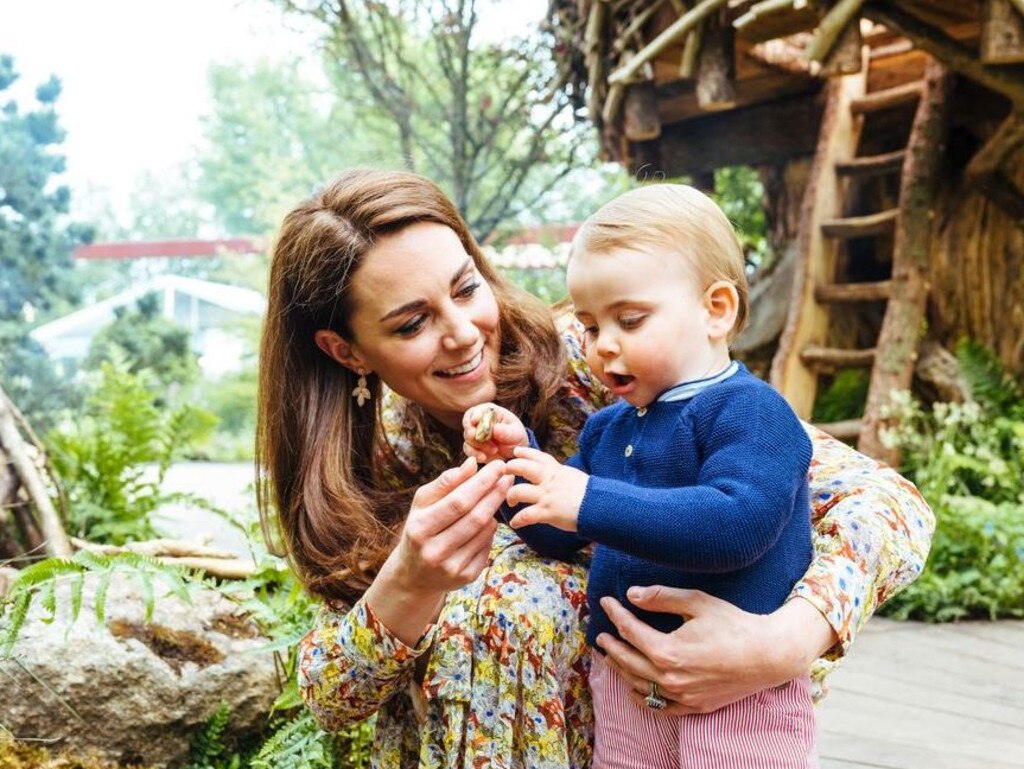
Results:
[890, 97]
[872, 165]
[845, 430]
[827, 358]
[861, 226]
[853, 292]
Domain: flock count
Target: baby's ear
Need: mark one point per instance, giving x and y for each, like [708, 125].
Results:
[722, 302]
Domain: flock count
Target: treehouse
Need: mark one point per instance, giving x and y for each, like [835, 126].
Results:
[886, 136]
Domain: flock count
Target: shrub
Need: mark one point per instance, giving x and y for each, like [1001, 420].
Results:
[968, 461]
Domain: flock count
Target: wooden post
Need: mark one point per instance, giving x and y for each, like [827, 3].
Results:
[49, 522]
[715, 89]
[847, 55]
[640, 121]
[904, 317]
[1002, 33]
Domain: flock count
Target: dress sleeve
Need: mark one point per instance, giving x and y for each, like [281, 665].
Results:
[350, 664]
[872, 531]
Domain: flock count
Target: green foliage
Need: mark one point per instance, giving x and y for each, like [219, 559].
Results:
[486, 120]
[548, 285]
[112, 457]
[738, 190]
[844, 398]
[40, 582]
[968, 461]
[146, 340]
[35, 245]
[273, 135]
[208, 750]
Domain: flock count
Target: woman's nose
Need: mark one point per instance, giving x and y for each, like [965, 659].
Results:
[461, 331]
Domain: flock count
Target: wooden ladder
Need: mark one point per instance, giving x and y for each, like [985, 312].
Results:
[807, 349]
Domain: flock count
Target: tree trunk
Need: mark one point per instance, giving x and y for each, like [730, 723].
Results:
[976, 271]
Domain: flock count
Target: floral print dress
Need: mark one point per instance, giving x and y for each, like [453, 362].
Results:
[503, 671]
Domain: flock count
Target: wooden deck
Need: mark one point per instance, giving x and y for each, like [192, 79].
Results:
[915, 696]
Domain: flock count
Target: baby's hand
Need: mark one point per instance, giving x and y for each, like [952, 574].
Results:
[553, 491]
[491, 432]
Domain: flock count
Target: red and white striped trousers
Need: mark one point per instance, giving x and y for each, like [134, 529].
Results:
[773, 729]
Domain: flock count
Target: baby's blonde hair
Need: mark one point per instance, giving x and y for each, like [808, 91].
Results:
[676, 218]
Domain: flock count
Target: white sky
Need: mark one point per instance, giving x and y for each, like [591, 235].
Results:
[134, 72]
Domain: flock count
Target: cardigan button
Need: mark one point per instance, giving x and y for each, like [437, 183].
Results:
[629, 450]
[641, 411]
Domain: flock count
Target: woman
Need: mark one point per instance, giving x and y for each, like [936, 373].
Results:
[384, 325]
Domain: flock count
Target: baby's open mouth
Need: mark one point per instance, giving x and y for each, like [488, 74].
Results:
[621, 380]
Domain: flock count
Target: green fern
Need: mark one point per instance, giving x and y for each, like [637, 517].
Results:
[297, 744]
[112, 460]
[207, 750]
[39, 582]
[988, 380]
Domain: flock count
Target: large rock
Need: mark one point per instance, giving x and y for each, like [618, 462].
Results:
[131, 690]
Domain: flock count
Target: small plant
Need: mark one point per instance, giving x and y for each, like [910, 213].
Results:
[968, 461]
[40, 581]
[113, 457]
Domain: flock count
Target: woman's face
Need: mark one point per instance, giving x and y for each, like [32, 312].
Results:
[426, 322]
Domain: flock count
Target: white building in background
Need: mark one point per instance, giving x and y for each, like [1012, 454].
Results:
[208, 310]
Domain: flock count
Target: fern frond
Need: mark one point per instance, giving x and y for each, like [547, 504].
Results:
[986, 377]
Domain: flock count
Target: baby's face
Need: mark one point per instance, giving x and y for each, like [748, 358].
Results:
[647, 321]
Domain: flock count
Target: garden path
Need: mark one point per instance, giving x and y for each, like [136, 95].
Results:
[918, 696]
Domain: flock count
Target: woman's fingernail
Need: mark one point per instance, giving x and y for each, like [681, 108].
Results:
[637, 593]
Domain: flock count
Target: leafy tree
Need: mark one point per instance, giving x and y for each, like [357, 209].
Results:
[272, 136]
[492, 122]
[35, 242]
[146, 340]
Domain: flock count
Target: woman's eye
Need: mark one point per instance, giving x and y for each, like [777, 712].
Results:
[411, 326]
[590, 331]
[468, 290]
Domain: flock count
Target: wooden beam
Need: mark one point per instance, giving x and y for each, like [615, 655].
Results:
[853, 292]
[1002, 33]
[887, 99]
[872, 165]
[985, 170]
[640, 121]
[758, 135]
[846, 430]
[808, 320]
[715, 89]
[954, 54]
[847, 54]
[678, 29]
[835, 358]
[832, 26]
[864, 226]
[911, 260]
[56, 540]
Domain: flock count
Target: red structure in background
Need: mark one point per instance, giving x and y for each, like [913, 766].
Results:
[168, 248]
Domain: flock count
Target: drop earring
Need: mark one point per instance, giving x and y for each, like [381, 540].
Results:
[361, 392]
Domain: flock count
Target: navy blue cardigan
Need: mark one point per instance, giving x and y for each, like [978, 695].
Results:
[707, 493]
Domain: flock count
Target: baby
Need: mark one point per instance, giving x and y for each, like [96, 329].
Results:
[696, 478]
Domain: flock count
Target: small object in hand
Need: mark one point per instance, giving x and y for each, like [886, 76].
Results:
[485, 427]
[654, 700]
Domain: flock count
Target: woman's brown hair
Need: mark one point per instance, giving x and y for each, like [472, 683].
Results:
[318, 456]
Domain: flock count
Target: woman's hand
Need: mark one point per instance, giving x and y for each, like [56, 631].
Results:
[444, 545]
[721, 654]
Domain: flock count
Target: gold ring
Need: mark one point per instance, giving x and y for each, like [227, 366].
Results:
[654, 700]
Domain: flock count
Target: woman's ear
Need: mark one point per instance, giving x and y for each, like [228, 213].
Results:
[335, 347]
[722, 302]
